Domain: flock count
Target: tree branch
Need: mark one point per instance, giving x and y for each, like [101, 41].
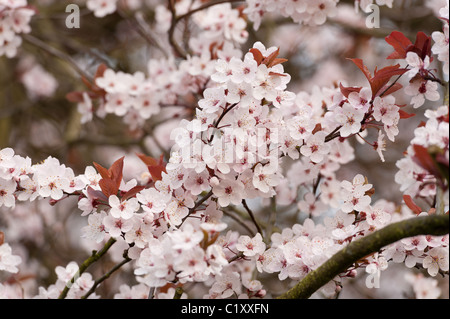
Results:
[436, 225]
[84, 266]
[249, 211]
[106, 276]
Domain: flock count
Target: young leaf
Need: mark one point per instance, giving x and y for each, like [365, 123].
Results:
[149, 161]
[278, 61]
[104, 173]
[381, 77]
[116, 171]
[410, 203]
[111, 178]
[423, 158]
[400, 43]
[75, 97]
[108, 187]
[392, 89]
[269, 59]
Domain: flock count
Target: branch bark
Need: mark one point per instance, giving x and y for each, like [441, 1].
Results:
[436, 225]
[176, 19]
[106, 276]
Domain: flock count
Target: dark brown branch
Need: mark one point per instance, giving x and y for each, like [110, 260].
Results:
[176, 19]
[57, 53]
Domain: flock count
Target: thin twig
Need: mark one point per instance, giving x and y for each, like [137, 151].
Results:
[249, 211]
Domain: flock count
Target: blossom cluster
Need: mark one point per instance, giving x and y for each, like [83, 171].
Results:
[15, 17]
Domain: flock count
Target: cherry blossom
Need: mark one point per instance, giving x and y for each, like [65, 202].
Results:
[265, 177]
[95, 230]
[385, 110]
[424, 287]
[52, 178]
[354, 194]
[228, 191]
[311, 205]
[123, 209]
[116, 226]
[361, 100]
[226, 285]
[7, 189]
